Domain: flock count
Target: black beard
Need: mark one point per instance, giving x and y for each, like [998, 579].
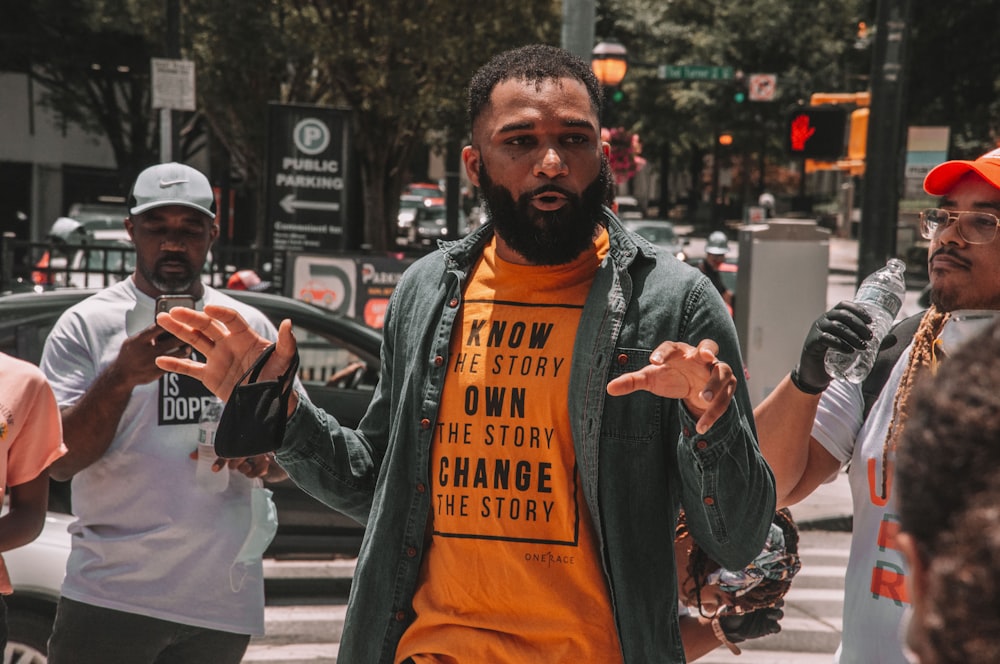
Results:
[546, 238]
[178, 284]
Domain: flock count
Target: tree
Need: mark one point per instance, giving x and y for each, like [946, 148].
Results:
[808, 45]
[404, 73]
[401, 71]
[94, 69]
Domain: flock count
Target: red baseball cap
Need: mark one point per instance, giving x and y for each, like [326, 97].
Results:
[247, 280]
[943, 177]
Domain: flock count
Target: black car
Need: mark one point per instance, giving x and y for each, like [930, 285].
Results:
[327, 343]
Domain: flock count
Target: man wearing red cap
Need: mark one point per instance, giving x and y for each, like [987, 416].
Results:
[811, 426]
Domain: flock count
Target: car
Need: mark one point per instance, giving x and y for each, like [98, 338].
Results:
[424, 189]
[36, 572]
[328, 343]
[628, 207]
[660, 233]
[431, 224]
[409, 205]
[92, 249]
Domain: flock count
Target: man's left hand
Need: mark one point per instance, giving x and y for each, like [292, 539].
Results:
[680, 371]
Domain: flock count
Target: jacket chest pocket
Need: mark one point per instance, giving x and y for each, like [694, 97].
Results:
[633, 418]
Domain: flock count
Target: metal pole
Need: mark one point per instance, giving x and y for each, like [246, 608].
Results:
[886, 144]
[168, 134]
[578, 26]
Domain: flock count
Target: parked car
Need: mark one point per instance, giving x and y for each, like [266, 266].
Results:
[431, 224]
[629, 207]
[660, 233]
[327, 342]
[36, 573]
[409, 207]
[424, 189]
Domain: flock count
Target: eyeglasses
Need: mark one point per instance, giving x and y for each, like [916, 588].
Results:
[973, 227]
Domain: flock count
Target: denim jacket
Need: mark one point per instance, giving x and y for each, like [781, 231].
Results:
[639, 456]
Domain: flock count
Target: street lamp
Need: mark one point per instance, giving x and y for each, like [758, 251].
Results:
[609, 62]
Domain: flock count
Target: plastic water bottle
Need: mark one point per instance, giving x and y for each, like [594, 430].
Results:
[881, 295]
[213, 482]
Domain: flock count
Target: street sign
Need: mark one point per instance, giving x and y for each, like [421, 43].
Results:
[173, 84]
[762, 87]
[307, 177]
[694, 72]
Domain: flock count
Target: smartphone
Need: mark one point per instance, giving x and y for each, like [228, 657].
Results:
[168, 302]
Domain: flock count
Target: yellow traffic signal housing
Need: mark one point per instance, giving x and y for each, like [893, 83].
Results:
[857, 140]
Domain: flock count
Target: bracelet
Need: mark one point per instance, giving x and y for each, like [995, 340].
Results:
[720, 634]
[802, 387]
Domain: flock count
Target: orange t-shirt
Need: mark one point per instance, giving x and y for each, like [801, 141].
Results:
[512, 572]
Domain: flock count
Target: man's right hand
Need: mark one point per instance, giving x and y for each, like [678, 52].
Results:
[136, 360]
[843, 328]
[229, 346]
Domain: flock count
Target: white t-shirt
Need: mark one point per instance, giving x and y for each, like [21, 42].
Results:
[875, 594]
[148, 540]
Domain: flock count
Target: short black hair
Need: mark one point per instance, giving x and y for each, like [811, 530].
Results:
[534, 63]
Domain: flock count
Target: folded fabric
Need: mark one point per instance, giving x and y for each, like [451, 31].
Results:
[253, 421]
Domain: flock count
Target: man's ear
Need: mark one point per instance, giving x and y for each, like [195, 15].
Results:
[471, 158]
[606, 149]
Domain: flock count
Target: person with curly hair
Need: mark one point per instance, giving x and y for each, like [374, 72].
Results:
[812, 426]
[948, 496]
[733, 606]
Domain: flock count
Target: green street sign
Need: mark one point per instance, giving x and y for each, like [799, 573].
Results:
[694, 73]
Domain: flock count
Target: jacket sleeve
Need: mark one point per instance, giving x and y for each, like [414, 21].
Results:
[727, 488]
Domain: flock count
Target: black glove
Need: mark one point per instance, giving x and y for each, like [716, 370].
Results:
[752, 625]
[843, 328]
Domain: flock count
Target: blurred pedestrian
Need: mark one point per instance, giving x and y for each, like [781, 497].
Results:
[716, 248]
[30, 440]
[162, 568]
[949, 507]
[811, 426]
[551, 393]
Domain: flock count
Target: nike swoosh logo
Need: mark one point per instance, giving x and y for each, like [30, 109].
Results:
[169, 183]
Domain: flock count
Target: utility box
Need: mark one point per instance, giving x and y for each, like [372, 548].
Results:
[781, 289]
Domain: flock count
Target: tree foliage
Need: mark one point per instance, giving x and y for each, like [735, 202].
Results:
[402, 67]
[810, 46]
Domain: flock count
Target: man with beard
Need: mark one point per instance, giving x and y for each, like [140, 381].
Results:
[810, 426]
[153, 551]
[553, 389]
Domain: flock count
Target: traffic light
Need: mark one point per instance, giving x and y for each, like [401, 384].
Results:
[617, 95]
[817, 132]
[740, 84]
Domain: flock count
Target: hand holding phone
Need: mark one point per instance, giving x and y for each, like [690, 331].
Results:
[168, 302]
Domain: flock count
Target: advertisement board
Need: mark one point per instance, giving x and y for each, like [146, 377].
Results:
[357, 286]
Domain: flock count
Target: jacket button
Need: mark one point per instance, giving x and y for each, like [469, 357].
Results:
[438, 360]
[425, 424]
[623, 359]
[687, 432]
[701, 444]
[411, 551]
[709, 500]
[453, 302]
[400, 616]
[421, 487]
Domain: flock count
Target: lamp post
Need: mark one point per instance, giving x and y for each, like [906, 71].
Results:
[609, 62]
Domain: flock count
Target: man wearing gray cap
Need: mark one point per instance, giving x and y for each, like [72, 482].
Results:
[163, 567]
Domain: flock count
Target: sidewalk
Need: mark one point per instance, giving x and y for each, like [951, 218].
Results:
[830, 507]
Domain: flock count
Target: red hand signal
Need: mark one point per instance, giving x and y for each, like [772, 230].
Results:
[801, 132]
